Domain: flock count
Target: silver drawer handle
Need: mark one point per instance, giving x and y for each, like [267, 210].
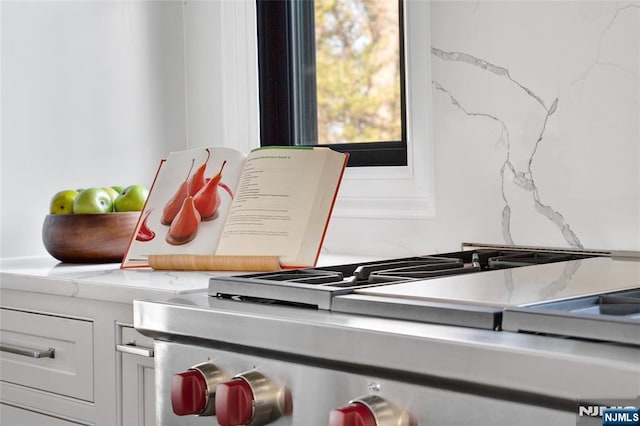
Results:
[133, 348]
[30, 352]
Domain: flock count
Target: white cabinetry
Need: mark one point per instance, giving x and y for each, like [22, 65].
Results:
[137, 378]
[67, 360]
[10, 415]
[47, 352]
[100, 369]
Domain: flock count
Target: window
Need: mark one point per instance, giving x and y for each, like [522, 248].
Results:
[331, 72]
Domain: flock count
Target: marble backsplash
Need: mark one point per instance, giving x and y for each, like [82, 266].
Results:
[536, 114]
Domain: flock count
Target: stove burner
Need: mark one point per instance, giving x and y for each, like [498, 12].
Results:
[402, 268]
[613, 317]
[421, 273]
[526, 259]
[306, 276]
[315, 287]
[370, 273]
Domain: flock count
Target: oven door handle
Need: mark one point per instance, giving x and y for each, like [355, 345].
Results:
[134, 349]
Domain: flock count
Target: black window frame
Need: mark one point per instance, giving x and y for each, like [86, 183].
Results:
[277, 85]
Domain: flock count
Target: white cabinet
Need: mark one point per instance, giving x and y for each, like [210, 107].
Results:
[14, 416]
[137, 377]
[47, 352]
[67, 360]
[101, 369]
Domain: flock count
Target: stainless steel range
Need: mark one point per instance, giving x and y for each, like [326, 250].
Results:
[487, 335]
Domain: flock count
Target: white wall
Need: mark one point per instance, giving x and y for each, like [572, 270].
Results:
[92, 94]
[90, 81]
[221, 73]
[95, 93]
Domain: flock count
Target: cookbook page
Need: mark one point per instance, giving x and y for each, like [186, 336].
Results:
[277, 203]
[187, 204]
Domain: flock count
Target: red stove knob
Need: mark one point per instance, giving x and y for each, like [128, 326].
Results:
[250, 398]
[369, 410]
[355, 414]
[234, 403]
[193, 391]
[188, 391]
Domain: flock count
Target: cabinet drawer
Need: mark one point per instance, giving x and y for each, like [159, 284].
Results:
[10, 415]
[47, 352]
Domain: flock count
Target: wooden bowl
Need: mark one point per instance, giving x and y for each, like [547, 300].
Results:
[89, 238]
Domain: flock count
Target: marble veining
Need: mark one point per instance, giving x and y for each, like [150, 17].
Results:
[522, 178]
[544, 98]
[599, 61]
[487, 66]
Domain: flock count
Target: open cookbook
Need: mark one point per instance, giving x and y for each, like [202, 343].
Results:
[275, 201]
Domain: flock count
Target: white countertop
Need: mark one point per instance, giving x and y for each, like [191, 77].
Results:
[110, 283]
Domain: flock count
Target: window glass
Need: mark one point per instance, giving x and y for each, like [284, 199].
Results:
[357, 71]
[331, 73]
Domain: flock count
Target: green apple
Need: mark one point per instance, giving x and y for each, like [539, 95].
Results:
[112, 193]
[93, 200]
[131, 199]
[118, 188]
[62, 202]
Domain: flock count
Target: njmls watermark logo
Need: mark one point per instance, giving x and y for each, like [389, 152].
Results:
[609, 413]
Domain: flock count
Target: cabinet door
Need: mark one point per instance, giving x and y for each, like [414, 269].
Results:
[137, 378]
